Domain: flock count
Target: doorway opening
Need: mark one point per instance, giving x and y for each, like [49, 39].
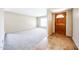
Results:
[60, 23]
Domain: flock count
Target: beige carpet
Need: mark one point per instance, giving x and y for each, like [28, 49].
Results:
[60, 42]
[43, 45]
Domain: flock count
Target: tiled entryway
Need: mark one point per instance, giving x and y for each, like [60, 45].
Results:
[60, 42]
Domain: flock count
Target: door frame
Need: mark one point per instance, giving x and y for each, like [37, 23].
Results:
[64, 18]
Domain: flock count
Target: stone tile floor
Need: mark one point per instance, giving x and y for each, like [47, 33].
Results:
[60, 42]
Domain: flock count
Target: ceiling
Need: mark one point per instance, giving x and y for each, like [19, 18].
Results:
[56, 10]
[36, 12]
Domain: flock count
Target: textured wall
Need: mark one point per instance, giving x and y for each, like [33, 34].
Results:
[17, 22]
[50, 25]
[1, 28]
[76, 26]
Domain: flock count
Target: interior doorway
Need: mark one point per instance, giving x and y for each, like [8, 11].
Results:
[60, 23]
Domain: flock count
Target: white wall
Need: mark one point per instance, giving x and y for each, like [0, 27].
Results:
[1, 28]
[53, 23]
[69, 23]
[76, 26]
[50, 25]
[17, 22]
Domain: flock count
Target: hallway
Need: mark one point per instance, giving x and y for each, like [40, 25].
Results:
[60, 42]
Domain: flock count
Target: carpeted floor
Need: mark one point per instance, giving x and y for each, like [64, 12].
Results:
[60, 42]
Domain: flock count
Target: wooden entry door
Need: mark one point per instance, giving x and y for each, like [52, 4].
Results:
[60, 23]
